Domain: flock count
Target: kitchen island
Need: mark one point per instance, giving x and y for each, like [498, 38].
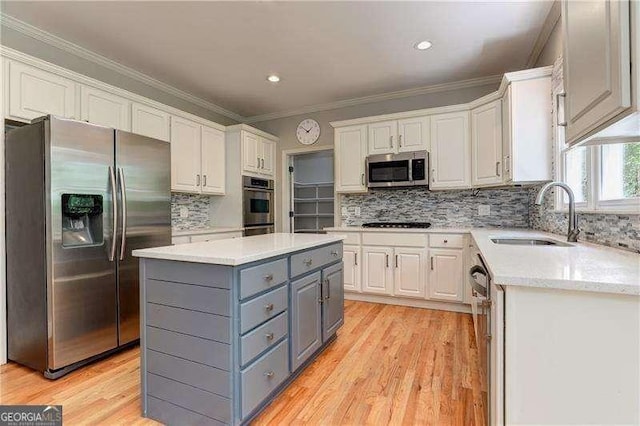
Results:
[226, 325]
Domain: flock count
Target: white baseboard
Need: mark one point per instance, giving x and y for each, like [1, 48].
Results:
[414, 303]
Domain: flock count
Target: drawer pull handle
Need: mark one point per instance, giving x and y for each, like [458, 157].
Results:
[268, 374]
[268, 307]
[268, 277]
[446, 241]
[269, 336]
[308, 262]
[334, 253]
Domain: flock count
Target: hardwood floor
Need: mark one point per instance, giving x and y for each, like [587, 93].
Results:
[389, 365]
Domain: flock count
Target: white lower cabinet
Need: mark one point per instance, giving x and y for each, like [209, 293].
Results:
[422, 266]
[446, 274]
[409, 272]
[352, 257]
[377, 270]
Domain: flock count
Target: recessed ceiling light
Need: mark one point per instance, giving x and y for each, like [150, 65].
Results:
[273, 78]
[422, 45]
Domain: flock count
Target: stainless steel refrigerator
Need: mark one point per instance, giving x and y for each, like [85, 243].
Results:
[79, 199]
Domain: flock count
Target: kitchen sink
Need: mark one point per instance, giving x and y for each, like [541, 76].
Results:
[529, 242]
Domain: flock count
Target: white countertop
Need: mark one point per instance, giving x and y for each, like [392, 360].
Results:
[212, 230]
[409, 230]
[582, 266]
[238, 251]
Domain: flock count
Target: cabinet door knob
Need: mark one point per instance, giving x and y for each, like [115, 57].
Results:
[432, 263]
[362, 179]
[268, 307]
[497, 168]
[446, 241]
[391, 141]
[269, 336]
[268, 277]
[334, 253]
[197, 180]
[400, 141]
[204, 180]
[308, 262]
[268, 374]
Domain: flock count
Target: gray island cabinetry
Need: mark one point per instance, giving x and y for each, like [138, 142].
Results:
[226, 325]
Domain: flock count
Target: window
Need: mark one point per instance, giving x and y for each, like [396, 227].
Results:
[620, 171]
[604, 178]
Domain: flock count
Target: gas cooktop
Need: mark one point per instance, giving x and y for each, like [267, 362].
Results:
[396, 225]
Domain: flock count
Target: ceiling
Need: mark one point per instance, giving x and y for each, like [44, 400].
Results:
[324, 52]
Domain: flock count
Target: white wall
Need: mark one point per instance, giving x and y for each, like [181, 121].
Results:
[553, 48]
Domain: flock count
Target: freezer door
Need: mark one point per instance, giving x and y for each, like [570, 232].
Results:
[81, 287]
[144, 188]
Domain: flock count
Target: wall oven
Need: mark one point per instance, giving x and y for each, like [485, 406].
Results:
[257, 205]
[403, 169]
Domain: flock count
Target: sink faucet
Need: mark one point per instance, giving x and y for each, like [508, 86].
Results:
[572, 233]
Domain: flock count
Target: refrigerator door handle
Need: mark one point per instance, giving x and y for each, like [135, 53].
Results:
[123, 198]
[114, 211]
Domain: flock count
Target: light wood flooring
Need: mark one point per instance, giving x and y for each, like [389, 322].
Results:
[390, 365]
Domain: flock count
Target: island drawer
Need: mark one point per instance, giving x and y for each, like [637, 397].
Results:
[191, 373]
[263, 376]
[218, 276]
[262, 308]
[446, 240]
[192, 297]
[208, 352]
[259, 340]
[312, 259]
[194, 399]
[199, 324]
[262, 277]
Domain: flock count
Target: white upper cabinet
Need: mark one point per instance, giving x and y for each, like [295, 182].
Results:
[409, 272]
[413, 134]
[450, 146]
[34, 93]
[393, 136]
[350, 154]
[486, 144]
[105, 109]
[258, 155]
[526, 127]
[213, 161]
[250, 156]
[198, 161]
[185, 155]
[150, 122]
[383, 137]
[267, 161]
[597, 66]
[446, 275]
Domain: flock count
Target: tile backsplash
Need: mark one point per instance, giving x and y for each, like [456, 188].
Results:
[614, 230]
[509, 207]
[198, 207]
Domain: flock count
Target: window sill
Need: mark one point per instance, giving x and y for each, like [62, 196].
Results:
[601, 211]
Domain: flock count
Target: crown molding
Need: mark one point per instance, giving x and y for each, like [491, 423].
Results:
[547, 28]
[67, 46]
[443, 87]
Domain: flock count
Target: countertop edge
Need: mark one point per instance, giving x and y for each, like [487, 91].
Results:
[232, 261]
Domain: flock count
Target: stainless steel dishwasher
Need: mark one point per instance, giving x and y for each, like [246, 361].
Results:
[481, 308]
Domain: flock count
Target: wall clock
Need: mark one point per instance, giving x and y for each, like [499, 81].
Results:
[308, 131]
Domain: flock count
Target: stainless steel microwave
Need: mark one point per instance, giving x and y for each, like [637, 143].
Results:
[403, 169]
